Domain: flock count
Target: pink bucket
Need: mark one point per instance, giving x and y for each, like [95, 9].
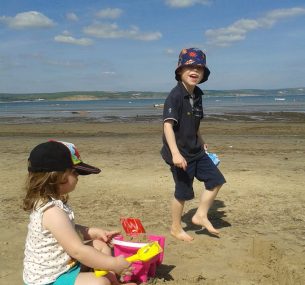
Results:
[142, 270]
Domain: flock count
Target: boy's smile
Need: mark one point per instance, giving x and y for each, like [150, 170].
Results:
[191, 76]
[194, 76]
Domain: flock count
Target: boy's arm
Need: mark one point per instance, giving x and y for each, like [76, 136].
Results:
[178, 159]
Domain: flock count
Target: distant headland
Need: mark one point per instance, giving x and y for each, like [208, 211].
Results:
[106, 95]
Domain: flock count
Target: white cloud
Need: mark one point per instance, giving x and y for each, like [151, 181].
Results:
[112, 31]
[186, 3]
[109, 73]
[276, 15]
[109, 13]
[67, 39]
[31, 19]
[238, 30]
[72, 17]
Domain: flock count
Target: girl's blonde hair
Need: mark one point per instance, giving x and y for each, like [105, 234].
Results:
[41, 187]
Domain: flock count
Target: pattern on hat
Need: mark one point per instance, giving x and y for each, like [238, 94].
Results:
[189, 57]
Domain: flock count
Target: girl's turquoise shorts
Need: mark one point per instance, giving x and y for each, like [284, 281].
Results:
[67, 278]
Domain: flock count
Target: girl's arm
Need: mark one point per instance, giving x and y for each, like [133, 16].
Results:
[178, 159]
[58, 223]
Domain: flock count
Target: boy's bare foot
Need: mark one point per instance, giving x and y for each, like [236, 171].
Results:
[181, 235]
[204, 222]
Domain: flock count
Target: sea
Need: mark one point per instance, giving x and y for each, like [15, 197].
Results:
[107, 110]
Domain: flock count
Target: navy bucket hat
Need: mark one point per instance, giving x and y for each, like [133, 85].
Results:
[195, 57]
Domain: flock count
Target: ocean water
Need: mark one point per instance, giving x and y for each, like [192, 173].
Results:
[109, 110]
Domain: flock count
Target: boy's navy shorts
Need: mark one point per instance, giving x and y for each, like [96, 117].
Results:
[203, 169]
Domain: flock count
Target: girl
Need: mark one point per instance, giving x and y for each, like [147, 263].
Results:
[54, 251]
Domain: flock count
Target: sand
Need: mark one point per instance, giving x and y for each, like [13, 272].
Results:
[259, 211]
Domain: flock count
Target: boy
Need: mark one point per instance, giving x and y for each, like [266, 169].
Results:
[183, 148]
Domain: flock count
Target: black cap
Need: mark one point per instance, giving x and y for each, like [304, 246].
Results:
[58, 156]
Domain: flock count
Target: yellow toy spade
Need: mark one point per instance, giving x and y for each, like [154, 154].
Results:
[144, 254]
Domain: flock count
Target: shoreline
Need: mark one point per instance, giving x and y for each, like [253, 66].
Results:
[83, 117]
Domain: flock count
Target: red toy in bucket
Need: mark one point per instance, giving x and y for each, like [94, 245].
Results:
[132, 226]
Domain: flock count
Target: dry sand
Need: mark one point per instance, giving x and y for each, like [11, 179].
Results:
[260, 211]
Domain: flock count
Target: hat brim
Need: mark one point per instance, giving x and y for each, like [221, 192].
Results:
[86, 169]
[206, 73]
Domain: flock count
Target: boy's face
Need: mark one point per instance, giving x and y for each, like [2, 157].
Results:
[191, 75]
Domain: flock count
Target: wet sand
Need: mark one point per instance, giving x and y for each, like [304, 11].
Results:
[259, 212]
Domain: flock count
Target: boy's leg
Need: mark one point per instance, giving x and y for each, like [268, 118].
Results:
[176, 228]
[213, 180]
[183, 192]
[201, 216]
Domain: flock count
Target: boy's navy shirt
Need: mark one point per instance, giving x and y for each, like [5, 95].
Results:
[177, 107]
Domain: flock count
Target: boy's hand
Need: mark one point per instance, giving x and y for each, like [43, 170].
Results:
[205, 147]
[179, 161]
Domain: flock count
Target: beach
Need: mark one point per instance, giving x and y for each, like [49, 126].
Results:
[259, 211]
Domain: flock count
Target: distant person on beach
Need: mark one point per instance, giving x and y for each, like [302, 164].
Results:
[183, 147]
[57, 251]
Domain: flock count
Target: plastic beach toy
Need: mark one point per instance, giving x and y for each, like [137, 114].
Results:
[132, 226]
[141, 271]
[214, 158]
[143, 254]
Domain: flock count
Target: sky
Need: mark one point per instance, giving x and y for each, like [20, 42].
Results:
[133, 45]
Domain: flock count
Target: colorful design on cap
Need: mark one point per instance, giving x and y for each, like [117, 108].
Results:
[75, 156]
[191, 56]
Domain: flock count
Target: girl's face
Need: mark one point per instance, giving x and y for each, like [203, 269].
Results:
[69, 183]
[191, 75]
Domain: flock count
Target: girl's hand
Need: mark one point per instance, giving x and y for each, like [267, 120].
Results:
[103, 235]
[122, 265]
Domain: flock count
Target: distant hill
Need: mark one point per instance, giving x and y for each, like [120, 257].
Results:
[100, 95]
[80, 95]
